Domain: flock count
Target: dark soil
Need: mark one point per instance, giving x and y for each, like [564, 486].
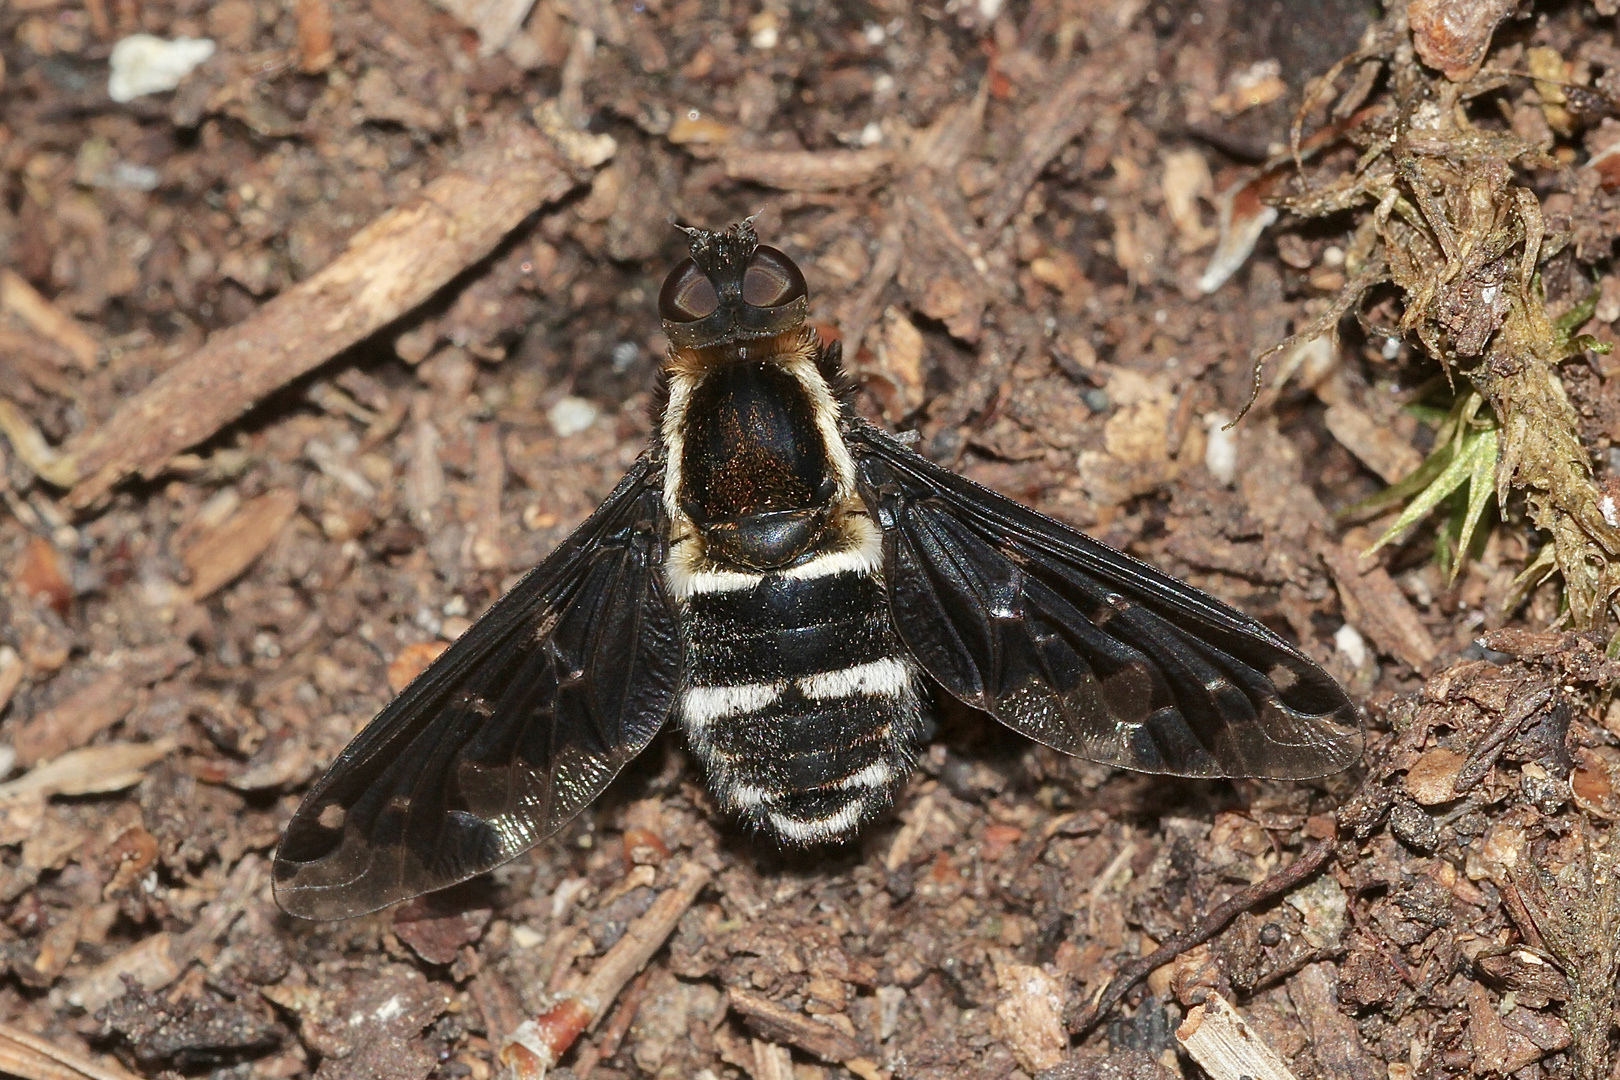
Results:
[198, 644]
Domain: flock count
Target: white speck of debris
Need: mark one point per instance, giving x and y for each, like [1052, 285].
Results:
[1348, 640]
[871, 134]
[1220, 452]
[567, 892]
[989, 9]
[765, 37]
[389, 1009]
[1333, 255]
[526, 937]
[1607, 508]
[456, 605]
[143, 64]
[572, 415]
[1392, 348]
[873, 33]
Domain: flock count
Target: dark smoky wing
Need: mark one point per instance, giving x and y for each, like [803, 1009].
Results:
[509, 734]
[1084, 648]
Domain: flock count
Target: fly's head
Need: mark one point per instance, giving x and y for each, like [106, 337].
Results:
[732, 295]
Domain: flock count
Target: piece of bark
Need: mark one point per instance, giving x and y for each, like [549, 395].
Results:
[33, 1058]
[1227, 1048]
[389, 267]
[93, 770]
[1375, 445]
[157, 961]
[782, 1025]
[217, 556]
[1334, 1039]
[97, 706]
[73, 722]
[1375, 605]
[1058, 118]
[807, 170]
[771, 1062]
[314, 30]
[46, 319]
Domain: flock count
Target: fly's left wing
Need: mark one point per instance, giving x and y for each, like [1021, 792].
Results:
[508, 734]
[1084, 648]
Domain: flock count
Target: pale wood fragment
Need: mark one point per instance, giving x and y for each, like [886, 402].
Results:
[46, 319]
[217, 556]
[1227, 1048]
[34, 1058]
[807, 170]
[389, 267]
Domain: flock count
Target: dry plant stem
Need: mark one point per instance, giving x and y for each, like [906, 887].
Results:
[783, 1025]
[390, 267]
[540, 1043]
[1309, 862]
[32, 1058]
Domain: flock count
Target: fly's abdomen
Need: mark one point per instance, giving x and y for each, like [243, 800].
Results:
[799, 699]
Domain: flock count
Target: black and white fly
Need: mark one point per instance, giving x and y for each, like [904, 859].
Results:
[787, 581]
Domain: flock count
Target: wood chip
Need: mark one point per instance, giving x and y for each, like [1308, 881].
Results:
[771, 1062]
[1375, 605]
[46, 319]
[495, 21]
[784, 1025]
[390, 267]
[1030, 1011]
[1431, 779]
[1335, 1041]
[157, 961]
[91, 771]
[34, 1058]
[75, 721]
[1227, 1048]
[217, 556]
[1375, 445]
[807, 170]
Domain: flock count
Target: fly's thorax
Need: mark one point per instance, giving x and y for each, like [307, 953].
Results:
[758, 475]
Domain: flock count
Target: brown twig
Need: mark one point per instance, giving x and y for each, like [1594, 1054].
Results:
[390, 267]
[1205, 928]
[540, 1043]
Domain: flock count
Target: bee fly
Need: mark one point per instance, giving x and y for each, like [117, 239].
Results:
[787, 581]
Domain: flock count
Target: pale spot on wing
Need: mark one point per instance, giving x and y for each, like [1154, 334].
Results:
[332, 816]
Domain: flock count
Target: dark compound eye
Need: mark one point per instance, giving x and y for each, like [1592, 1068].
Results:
[771, 280]
[688, 295]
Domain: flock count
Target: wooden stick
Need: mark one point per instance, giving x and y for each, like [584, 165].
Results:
[390, 267]
[540, 1043]
[1205, 928]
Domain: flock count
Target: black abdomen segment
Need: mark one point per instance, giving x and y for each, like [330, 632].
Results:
[800, 701]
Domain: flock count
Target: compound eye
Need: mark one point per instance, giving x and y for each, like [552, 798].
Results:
[688, 295]
[771, 280]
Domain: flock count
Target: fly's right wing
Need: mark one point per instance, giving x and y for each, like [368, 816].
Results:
[507, 735]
